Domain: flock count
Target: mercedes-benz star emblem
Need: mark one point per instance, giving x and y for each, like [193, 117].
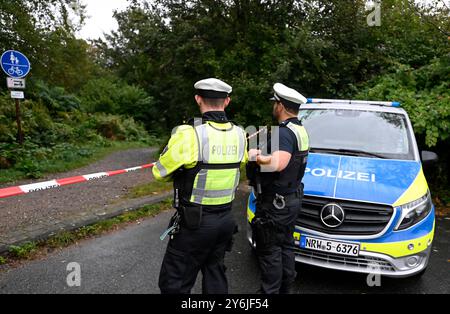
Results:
[332, 215]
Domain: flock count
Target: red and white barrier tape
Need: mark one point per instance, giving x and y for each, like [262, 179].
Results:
[257, 133]
[53, 184]
[36, 187]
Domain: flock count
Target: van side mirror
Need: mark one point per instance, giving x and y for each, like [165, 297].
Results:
[429, 158]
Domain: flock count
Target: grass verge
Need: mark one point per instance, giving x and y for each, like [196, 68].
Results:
[31, 250]
[148, 189]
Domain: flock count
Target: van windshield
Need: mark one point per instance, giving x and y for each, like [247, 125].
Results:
[359, 133]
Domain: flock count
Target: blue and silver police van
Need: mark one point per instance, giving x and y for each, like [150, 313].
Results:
[367, 206]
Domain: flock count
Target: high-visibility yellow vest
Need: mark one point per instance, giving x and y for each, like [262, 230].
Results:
[203, 159]
[289, 180]
[301, 135]
[221, 152]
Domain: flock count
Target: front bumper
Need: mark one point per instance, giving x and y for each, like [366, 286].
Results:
[393, 254]
[367, 262]
[396, 254]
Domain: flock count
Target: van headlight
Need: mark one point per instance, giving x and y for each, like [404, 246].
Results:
[415, 212]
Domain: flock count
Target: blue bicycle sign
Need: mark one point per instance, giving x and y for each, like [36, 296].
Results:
[15, 64]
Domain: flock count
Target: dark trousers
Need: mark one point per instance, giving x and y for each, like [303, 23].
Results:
[277, 258]
[192, 251]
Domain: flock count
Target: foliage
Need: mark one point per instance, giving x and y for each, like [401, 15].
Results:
[23, 251]
[322, 48]
[424, 93]
[55, 98]
[111, 95]
[53, 139]
[44, 31]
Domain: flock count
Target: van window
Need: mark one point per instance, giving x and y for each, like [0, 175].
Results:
[376, 133]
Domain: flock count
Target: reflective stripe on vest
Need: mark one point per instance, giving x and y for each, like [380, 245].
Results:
[222, 148]
[301, 135]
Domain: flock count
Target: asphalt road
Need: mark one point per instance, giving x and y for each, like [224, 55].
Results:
[128, 261]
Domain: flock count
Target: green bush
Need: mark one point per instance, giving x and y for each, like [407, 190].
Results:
[99, 96]
[114, 127]
[423, 92]
[30, 168]
[55, 98]
[110, 95]
[57, 138]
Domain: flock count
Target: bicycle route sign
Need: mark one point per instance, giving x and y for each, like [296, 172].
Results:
[15, 64]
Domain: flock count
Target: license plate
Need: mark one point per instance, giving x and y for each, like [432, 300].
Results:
[328, 246]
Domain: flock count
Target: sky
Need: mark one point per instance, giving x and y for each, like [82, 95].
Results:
[100, 17]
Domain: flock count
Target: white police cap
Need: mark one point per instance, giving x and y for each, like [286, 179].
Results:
[213, 88]
[288, 95]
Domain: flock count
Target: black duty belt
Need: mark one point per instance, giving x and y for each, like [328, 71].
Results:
[265, 198]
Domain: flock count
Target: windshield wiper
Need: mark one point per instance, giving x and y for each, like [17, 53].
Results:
[351, 152]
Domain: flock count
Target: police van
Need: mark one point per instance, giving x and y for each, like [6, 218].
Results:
[367, 207]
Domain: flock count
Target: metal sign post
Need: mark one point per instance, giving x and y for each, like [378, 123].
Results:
[16, 65]
[19, 122]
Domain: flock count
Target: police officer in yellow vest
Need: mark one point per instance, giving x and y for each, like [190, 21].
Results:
[280, 191]
[203, 158]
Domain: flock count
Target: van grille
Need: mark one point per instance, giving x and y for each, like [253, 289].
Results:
[360, 218]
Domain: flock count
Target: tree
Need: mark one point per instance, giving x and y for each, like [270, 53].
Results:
[44, 31]
[322, 48]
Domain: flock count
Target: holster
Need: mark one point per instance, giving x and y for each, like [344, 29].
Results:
[265, 233]
[192, 216]
[251, 170]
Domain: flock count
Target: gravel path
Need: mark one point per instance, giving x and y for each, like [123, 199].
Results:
[52, 206]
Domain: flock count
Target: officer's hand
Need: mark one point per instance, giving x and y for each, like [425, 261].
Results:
[253, 154]
[264, 160]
